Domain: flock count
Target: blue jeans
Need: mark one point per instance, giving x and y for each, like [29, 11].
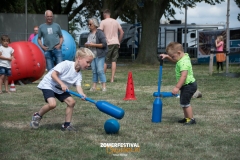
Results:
[5, 71]
[53, 56]
[98, 70]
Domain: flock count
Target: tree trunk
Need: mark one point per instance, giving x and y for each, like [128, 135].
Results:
[150, 16]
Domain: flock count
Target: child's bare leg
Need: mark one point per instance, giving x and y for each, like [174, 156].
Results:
[188, 113]
[1, 82]
[49, 106]
[6, 83]
[69, 110]
[36, 118]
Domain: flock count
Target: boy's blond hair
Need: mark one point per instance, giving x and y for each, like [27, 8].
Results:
[174, 47]
[84, 52]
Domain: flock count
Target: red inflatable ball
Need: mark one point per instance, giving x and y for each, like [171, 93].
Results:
[29, 63]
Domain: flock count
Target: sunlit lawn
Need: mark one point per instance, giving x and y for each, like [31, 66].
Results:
[215, 136]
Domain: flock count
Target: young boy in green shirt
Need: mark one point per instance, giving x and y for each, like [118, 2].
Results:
[185, 80]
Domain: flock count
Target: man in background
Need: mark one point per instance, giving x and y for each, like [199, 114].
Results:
[52, 40]
[111, 28]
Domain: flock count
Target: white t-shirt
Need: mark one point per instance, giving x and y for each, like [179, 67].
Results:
[92, 39]
[7, 53]
[67, 74]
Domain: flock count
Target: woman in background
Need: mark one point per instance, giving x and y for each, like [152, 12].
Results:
[98, 45]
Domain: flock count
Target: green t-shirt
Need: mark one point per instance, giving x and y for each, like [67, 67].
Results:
[184, 64]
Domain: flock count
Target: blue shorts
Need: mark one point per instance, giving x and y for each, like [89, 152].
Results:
[5, 71]
[186, 94]
[47, 93]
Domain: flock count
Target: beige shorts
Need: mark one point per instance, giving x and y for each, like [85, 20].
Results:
[112, 54]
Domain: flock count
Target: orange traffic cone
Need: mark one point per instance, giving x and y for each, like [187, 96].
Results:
[130, 95]
[12, 87]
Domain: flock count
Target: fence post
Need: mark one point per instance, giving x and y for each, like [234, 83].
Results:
[211, 64]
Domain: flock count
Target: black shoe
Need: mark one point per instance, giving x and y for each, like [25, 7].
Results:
[192, 121]
[182, 120]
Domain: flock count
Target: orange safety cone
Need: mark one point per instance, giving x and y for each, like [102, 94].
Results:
[12, 87]
[130, 95]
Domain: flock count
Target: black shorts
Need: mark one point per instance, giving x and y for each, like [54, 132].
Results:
[186, 93]
[47, 93]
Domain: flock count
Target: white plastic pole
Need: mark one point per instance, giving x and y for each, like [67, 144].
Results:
[26, 34]
[228, 39]
[185, 35]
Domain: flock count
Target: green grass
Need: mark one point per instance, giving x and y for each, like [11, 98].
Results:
[216, 136]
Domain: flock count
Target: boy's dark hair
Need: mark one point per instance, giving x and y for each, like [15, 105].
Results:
[107, 11]
[5, 38]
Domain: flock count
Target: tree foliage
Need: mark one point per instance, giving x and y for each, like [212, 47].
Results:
[238, 4]
[147, 12]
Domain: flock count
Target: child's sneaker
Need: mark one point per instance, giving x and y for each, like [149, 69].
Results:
[68, 128]
[192, 121]
[182, 120]
[35, 121]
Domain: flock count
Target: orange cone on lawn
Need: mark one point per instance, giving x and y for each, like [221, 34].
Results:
[130, 95]
[12, 87]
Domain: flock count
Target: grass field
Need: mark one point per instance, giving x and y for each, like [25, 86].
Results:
[216, 136]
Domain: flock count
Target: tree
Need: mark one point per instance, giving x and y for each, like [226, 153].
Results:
[71, 8]
[238, 4]
[149, 16]
[149, 13]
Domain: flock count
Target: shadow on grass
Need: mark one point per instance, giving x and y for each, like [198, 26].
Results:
[231, 75]
[172, 119]
[52, 126]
